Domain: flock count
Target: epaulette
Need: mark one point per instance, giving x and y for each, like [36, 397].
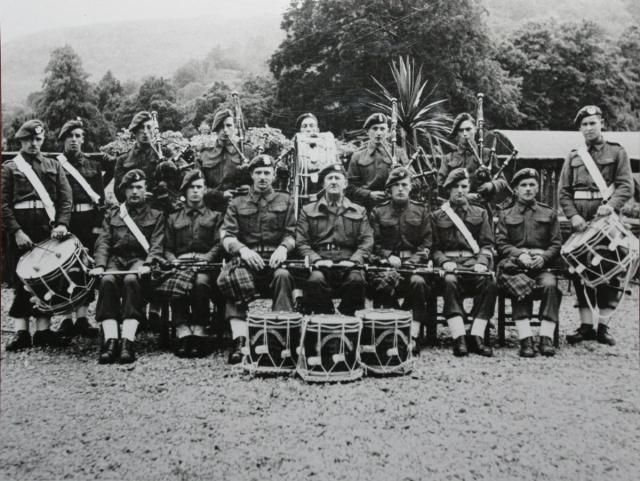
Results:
[546, 206]
[386, 202]
[415, 202]
[612, 143]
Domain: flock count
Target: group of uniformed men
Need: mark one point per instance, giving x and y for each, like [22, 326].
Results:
[226, 207]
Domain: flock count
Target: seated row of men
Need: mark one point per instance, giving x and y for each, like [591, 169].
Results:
[258, 232]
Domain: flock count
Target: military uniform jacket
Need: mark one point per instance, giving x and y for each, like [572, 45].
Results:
[193, 230]
[223, 169]
[368, 171]
[347, 232]
[117, 247]
[90, 170]
[528, 226]
[612, 160]
[447, 237]
[17, 188]
[260, 222]
[139, 157]
[463, 156]
[402, 228]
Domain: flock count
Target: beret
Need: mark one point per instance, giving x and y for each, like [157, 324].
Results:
[458, 122]
[455, 176]
[29, 129]
[138, 120]
[586, 111]
[308, 115]
[220, 117]
[190, 177]
[69, 126]
[522, 174]
[262, 160]
[130, 177]
[396, 175]
[331, 168]
[374, 119]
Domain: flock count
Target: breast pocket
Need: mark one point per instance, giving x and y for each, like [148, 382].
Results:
[351, 223]
[542, 230]
[388, 228]
[182, 233]
[413, 227]
[515, 228]
[277, 216]
[248, 219]
[206, 232]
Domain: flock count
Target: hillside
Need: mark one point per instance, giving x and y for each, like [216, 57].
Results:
[133, 50]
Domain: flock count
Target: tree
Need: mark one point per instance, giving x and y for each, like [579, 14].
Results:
[628, 46]
[333, 48]
[203, 107]
[110, 92]
[563, 67]
[257, 96]
[67, 94]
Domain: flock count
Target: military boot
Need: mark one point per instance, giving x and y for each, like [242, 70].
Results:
[526, 347]
[604, 337]
[585, 332]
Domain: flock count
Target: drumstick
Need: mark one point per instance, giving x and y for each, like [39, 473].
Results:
[115, 273]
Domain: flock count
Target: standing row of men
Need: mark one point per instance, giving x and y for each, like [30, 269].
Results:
[256, 228]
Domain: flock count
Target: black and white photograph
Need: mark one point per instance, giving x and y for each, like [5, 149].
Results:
[320, 239]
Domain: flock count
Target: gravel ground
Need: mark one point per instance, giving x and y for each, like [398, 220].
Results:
[573, 417]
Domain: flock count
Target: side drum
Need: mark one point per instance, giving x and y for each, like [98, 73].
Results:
[329, 349]
[385, 344]
[273, 339]
[56, 273]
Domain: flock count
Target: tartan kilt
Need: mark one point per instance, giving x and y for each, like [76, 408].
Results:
[175, 284]
[236, 282]
[516, 285]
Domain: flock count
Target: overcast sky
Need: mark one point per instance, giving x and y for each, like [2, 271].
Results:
[21, 17]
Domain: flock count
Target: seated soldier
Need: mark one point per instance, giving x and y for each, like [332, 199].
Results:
[463, 238]
[334, 230]
[402, 234]
[258, 232]
[131, 238]
[192, 233]
[528, 240]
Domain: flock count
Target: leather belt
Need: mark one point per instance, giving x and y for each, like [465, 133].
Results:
[458, 253]
[264, 249]
[586, 195]
[29, 204]
[327, 247]
[404, 254]
[82, 207]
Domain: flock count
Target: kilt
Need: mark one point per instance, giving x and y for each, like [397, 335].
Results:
[517, 285]
[175, 284]
[236, 282]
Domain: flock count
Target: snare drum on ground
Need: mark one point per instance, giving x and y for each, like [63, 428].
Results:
[272, 343]
[329, 348]
[385, 343]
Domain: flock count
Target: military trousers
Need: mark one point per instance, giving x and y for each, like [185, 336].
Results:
[323, 284]
[414, 290]
[456, 287]
[276, 284]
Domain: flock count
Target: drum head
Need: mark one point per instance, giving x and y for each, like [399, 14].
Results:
[46, 257]
[383, 315]
[331, 319]
[274, 316]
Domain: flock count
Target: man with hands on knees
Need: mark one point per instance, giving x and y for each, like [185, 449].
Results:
[335, 235]
[463, 238]
[36, 205]
[258, 232]
[130, 240]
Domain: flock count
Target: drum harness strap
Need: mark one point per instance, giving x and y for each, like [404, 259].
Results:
[135, 230]
[596, 175]
[66, 165]
[36, 183]
[462, 228]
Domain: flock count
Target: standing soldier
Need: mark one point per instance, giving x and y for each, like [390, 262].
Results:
[193, 233]
[370, 166]
[223, 164]
[36, 205]
[482, 188]
[130, 239]
[85, 177]
[334, 230]
[402, 234]
[258, 231]
[142, 156]
[595, 181]
[528, 240]
[463, 238]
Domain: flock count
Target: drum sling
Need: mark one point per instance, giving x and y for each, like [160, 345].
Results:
[24, 167]
[66, 165]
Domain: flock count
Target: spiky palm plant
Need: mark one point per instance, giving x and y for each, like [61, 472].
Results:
[421, 120]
